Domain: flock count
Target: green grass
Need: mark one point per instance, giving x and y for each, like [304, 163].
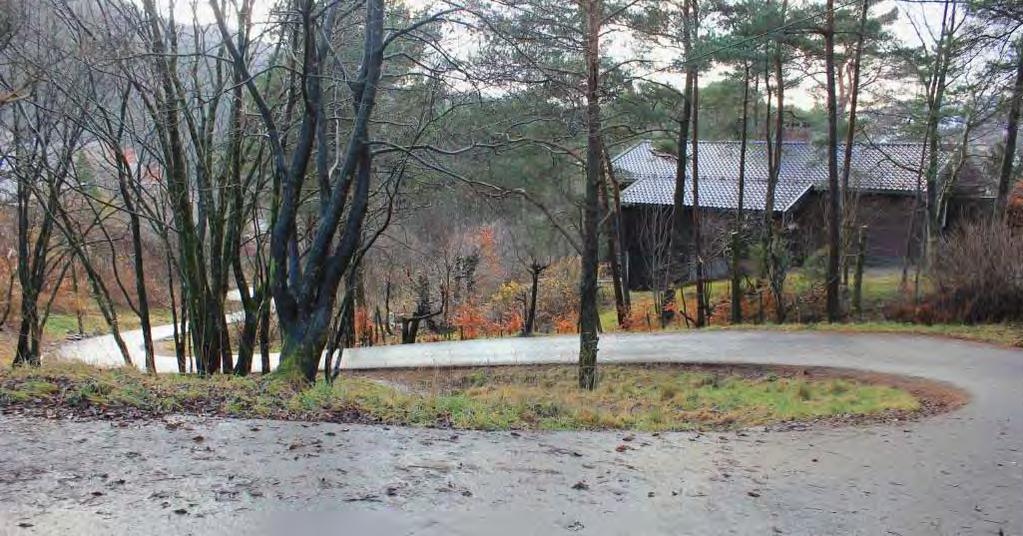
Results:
[1000, 334]
[650, 398]
[656, 398]
[58, 325]
[880, 287]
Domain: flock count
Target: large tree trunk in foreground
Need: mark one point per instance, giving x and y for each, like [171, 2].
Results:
[588, 316]
[304, 286]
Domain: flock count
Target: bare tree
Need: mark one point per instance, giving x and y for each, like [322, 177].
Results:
[304, 284]
[38, 156]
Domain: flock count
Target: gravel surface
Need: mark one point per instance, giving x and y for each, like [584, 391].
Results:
[956, 473]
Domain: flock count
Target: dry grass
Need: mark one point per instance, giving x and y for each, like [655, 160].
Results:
[647, 397]
[8, 345]
[651, 398]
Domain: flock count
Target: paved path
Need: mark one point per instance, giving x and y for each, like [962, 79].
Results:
[958, 473]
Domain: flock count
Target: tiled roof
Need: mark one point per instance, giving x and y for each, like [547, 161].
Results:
[650, 175]
[641, 162]
[714, 193]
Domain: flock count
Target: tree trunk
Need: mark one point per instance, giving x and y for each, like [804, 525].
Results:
[1011, 133]
[79, 314]
[834, 207]
[135, 224]
[264, 333]
[770, 242]
[247, 343]
[588, 315]
[387, 306]
[32, 269]
[179, 334]
[736, 305]
[677, 252]
[848, 211]
[205, 315]
[623, 265]
[737, 234]
[534, 289]
[861, 253]
[611, 244]
[7, 297]
[304, 287]
[935, 101]
[409, 330]
[250, 310]
[701, 291]
[344, 331]
[302, 346]
[27, 352]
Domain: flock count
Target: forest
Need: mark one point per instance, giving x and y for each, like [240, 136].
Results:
[304, 177]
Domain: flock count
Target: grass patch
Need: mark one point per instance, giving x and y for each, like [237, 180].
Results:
[881, 286]
[1000, 334]
[651, 398]
[60, 324]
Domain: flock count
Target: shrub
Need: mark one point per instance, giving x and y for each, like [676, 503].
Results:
[978, 274]
[815, 267]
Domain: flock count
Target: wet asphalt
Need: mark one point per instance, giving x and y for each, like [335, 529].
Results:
[955, 473]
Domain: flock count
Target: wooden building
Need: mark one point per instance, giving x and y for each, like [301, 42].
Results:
[883, 188]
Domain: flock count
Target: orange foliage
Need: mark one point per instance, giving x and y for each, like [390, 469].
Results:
[639, 319]
[512, 323]
[363, 325]
[566, 323]
[471, 321]
[1014, 212]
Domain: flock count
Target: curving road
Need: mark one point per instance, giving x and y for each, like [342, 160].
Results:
[957, 473]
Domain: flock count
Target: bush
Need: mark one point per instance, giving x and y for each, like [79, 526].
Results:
[978, 274]
[815, 267]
